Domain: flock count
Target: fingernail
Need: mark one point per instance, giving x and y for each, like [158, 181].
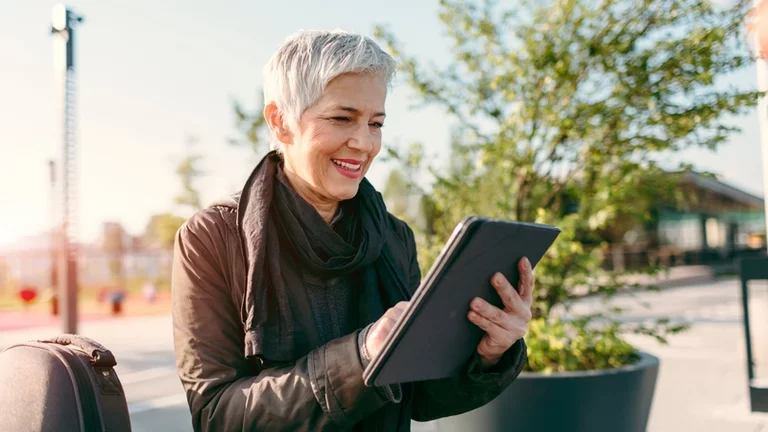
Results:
[498, 279]
[476, 304]
[527, 263]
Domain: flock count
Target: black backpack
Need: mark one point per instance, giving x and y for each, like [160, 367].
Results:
[67, 383]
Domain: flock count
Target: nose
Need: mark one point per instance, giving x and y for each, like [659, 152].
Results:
[362, 139]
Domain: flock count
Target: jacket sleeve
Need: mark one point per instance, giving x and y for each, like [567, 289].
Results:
[225, 392]
[473, 387]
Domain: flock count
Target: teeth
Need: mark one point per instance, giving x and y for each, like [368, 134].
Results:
[349, 166]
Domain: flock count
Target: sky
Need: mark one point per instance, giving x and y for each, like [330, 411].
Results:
[150, 74]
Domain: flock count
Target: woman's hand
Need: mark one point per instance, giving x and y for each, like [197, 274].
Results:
[504, 327]
[378, 333]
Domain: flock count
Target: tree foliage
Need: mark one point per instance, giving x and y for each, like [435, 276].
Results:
[566, 111]
[396, 194]
[161, 229]
[189, 171]
[252, 126]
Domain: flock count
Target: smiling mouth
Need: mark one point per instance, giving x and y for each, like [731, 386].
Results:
[354, 167]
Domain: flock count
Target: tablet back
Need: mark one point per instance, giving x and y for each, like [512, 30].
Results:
[435, 339]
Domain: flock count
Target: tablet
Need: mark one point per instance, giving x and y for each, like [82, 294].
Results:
[434, 338]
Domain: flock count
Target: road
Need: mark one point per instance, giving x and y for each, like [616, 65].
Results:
[702, 381]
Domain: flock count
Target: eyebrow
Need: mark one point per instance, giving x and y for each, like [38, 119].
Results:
[357, 111]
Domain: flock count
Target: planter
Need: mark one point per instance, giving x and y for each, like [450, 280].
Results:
[596, 401]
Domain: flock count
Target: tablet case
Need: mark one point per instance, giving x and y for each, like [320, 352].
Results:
[434, 338]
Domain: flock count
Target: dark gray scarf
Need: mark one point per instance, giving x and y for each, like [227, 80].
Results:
[272, 216]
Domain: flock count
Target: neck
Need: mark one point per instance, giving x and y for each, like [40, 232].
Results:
[326, 208]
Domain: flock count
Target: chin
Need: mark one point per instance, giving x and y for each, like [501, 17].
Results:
[346, 192]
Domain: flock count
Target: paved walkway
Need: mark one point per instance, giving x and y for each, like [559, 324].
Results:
[702, 383]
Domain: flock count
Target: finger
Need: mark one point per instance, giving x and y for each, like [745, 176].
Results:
[397, 310]
[493, 314]
[498, 336]
[393, 314]
[387, 325]
[526, 280]
[509, 296]
[402, 305]
[384, 326]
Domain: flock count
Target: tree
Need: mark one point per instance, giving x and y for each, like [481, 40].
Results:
[396, 194]
[161, 229]
[565, 113]
[114, 245]
[189, 172]
[252, 126]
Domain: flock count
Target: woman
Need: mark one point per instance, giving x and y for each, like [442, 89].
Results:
[283, 293]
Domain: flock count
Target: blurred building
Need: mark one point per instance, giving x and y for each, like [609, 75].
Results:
[116, 254]
[720, 224]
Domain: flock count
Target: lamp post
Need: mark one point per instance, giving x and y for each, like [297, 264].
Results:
[760, 45]
[64, 21]
[54, 238]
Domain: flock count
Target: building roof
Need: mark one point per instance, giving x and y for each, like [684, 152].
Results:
[716, 186]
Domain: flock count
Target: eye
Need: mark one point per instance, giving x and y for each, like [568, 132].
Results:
[377, 125]
[341, 119]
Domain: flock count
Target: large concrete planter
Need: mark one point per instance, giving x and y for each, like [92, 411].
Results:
[594, 401]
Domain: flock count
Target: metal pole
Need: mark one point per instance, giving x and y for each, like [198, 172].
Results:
[54, 227]
[762, 85]
[762, 108]
[747, 330]
[64, 23]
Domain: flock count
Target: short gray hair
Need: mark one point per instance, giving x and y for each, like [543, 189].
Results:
[297, 74]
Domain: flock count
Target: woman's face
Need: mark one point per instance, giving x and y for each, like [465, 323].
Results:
[338, 138]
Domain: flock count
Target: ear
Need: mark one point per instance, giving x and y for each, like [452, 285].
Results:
[276, 123]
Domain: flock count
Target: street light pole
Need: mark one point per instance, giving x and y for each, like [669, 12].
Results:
[762, 112]
[54, 238]
[759, 35]
[63, 30]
